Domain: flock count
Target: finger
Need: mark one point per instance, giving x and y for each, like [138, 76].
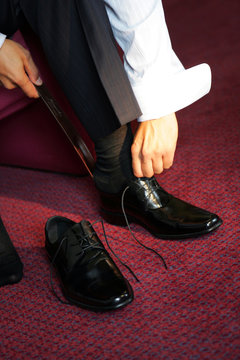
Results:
[147, 166]
[27, 86]
[158, 165]
[168, 160]
[136, 161]
[136, 166]
[30, 68]
[8, 84]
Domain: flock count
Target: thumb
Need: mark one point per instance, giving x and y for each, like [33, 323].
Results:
[38, 82]
[32, 71]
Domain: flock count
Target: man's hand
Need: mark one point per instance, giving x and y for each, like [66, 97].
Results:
[154, 146]
[17, 68]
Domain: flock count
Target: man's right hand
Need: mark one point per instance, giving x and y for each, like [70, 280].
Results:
[17, 68]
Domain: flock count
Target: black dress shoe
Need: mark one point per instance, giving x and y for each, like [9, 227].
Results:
[165, 216]
[89, 277]
[11, 267]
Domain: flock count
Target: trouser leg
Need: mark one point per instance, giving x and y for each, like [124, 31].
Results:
[11, 267]
[74, 68]
[68, 53]
[86, 65]
[81, 52]
[58, 26]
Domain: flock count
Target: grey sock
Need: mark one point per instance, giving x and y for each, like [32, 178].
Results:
[114, 162]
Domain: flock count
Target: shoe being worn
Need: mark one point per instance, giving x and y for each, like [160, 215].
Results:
[89, 277]
[11, 267]
[165, 216]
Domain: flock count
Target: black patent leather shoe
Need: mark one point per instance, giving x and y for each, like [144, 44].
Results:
[11, 267]
[88, 275]
[165, 216]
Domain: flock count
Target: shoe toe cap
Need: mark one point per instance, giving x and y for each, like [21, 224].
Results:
[214, 222]
[101, 293]
[112, 296]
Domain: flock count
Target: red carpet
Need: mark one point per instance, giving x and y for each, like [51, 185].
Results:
[190, 311]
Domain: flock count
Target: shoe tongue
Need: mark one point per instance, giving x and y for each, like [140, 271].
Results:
[80, 236]
[71, 247]
[87, 229]
[92, 239]
[149, 189]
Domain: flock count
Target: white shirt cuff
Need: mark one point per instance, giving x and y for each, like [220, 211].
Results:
[2, 39]
[173, 93]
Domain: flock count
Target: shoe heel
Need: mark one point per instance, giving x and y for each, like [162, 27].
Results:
[114, 218]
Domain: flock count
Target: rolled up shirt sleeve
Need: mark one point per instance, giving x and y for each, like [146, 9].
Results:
[2, 39]
[159, 81]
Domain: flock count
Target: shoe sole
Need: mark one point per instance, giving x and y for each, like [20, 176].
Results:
[98, 308]
[119, 219]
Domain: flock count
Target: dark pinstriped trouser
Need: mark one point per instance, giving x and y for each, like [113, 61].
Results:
[78, 43]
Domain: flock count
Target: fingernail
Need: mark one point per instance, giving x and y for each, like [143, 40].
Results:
[38, 81]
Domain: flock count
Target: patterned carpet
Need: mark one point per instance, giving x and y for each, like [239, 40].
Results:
[191, 310]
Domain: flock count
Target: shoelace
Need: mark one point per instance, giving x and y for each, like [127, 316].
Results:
[80, 241]
[131, 232]
[84, 248]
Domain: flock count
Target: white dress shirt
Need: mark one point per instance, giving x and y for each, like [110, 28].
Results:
[159, 81]
[2, 39]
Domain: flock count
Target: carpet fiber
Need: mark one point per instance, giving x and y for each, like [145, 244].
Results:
[191, 310]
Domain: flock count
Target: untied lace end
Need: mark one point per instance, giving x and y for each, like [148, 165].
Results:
[107, 242]
[128, 225]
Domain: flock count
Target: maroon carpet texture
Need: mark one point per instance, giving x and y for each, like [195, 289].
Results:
[191, 310]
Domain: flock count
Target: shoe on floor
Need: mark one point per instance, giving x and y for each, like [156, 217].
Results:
[11, 267]
[89, 277]
[164, 215]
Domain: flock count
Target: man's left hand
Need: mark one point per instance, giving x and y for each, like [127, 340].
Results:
[154, 146]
